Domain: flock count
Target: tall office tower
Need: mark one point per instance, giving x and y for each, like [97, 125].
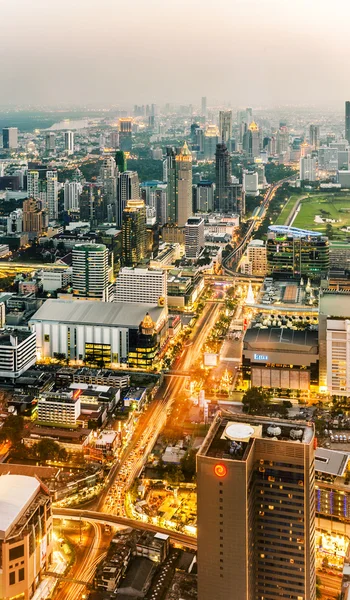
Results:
[183, 185]
[15, 221]
[26, 537]
[120, 160]
[33, 216]
[314, 136]
[194, 128]
[52, 195]
[133, 233]
[147, 286]
[91, 205]
[108, 174]
[251, 141]
[194, 237]
[69, 142]
[347, 120]
[328, 159]
[334, 342]
[308, 168]
[50, 142]
[223, 177]
[128, 188]
[33, 184]
[225, 125]
[210, 140]
[282, 142]
[203, 196]
[256, 510]
[114, 139]
[72, 191]
[109, 168]
[125, 134]
[169, 175]
[90, 271]
[10, 138]
[204, 107]
[154, 194]
[249, 114]
[251, 183]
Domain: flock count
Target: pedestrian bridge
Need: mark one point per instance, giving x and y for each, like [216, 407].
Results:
[75, 514]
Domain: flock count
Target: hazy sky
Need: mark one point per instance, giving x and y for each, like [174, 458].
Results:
[247, 52]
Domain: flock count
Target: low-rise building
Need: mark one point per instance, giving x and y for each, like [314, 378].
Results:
[59, 409]
[17, 352]
[135, 398]
[154, 546]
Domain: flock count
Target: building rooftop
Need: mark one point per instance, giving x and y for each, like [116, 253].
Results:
[90, 247]
[14, 337]
[16, 493]
[86, 312]
[231, 439]
[331, 462]
[293, 231]
[336, 304]
[274, 337]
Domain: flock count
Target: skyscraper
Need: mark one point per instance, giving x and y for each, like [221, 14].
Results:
[256, 510]
[125, 134]
[128, 188]
[204, 106]
[120, 160]
[308, 167]
[225, 125]
[50, 142]
[314, 136]
[169, 175]
[194, 237]
[69, 142]
[33, 184]
[90, 271]
[282, 140]
[10, 138]
[33, 216]
[251, 141]
[223, 176]
[347, 120]
[72, 191]
[52, 195]
[184, 185]
[133, 233]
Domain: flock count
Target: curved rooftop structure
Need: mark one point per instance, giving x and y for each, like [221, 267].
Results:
[16, 494]
[293, 231]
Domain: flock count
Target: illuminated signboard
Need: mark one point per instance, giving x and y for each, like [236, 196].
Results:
[260, 357]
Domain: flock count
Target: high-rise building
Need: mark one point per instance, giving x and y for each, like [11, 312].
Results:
[204, 107]
[347, 120]
[59, 409]
[314, 136]
[256, 254]
[50, 142]
[282, 140]
[108, 174]
[90, 271]
[183, 185]
[33, 216]
[10, 138]
[128, 188]
[194, 237]
[15, 221]
[120, 160]
[125, 134]
[26, 535]
[133, 233]
[69, 142]
[256, 510]
[225, 125]
[33, 184]
[308, 168]
[169, 175]
[334, 343]
[251, 183]
[251, 141]
[91, 203]
[223, 178]
[203, 196]
[52, 195]
[72, 191]
[328, 159]
[211, 139]
[114, 139]
[295, 253]
[141, 285]
[154, 194]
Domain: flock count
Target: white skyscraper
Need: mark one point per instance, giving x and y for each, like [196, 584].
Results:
[52, 195]
[308, 167]
[141, 285]
[194, 237]
[72, 191]
[90, 271]
[10, 138]
[33, 184]
[69, 142]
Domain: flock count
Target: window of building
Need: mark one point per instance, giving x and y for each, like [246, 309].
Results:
[17, 552]
[12, 578]
[21, 575]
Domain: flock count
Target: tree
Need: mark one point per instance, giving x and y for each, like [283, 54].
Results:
[329, 231]
[12, 429]
[48, 449]
[256, 401]
[188, 464]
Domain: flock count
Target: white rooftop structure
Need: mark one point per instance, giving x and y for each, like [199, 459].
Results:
[16, 494]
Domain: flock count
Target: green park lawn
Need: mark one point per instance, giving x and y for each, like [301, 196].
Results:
[330, 207]
[287, 209]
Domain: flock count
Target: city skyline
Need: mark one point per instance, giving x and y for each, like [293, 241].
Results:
[272, 41]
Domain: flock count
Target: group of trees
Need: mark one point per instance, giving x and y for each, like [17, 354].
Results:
[257, 401]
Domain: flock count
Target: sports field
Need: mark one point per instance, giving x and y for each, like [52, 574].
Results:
[287, 209]
[334, 207]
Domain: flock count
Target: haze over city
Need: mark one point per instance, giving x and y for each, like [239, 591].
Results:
[238, 52]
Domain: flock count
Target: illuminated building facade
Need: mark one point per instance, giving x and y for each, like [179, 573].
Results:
[90, 271]
[256, 510]
[134, 233]
[183, 185]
